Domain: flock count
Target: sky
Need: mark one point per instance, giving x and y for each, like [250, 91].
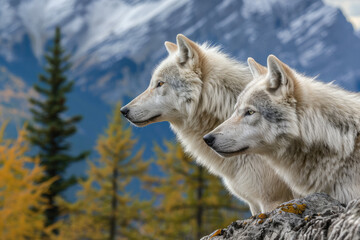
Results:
[351, 9]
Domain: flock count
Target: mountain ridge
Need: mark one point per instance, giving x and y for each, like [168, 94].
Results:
[114, 55]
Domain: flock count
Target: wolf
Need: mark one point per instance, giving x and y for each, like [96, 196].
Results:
[195, 89]
[307, 130]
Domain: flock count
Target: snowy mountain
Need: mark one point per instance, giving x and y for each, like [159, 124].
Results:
[115, 44]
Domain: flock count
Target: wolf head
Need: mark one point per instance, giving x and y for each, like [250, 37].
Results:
[174, 89]
[265, 113]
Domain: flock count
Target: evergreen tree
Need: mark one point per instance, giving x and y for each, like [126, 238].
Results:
[51, 129]
[191, 202]
[22, 204]
[105, 209]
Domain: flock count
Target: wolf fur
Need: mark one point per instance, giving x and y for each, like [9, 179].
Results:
[195, 89]
[308, 130]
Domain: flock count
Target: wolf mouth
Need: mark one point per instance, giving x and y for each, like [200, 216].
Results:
[233, 153]
[146, 121]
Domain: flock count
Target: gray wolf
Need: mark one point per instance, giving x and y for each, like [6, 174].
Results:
[307, 130]
[195, 89]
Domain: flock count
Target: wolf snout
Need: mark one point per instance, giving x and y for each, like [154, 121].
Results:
[125, 111]
[209, 139]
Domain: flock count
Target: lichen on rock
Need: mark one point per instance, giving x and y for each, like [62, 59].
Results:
[293, 208]
[317, 216]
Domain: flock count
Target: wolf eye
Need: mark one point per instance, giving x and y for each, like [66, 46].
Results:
[249, 112]
[159, 84]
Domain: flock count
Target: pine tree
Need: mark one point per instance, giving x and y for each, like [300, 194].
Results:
[51, 129]
[191, 202]
[22, 205]
[105, 209]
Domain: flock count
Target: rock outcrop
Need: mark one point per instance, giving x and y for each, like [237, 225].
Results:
[316, 216]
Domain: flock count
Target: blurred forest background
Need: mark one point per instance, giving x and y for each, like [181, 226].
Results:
[72, 168]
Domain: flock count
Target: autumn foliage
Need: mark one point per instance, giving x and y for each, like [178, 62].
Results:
[105, 208]
[22, 204]
[190, 201]
[187, 202]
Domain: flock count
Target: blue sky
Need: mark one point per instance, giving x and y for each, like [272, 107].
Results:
[351, 8]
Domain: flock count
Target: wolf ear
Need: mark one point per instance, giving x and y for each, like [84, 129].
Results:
[188, 51]
[170, 47]
[256, 68]
[280, 76]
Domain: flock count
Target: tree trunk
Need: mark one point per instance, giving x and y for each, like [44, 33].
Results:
[114, 206]
[200, 210]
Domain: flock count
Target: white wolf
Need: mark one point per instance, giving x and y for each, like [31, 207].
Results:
[195, 89]
[308, 130]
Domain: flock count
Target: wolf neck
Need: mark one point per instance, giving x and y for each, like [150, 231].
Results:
[327, 135]
[223, 80]
[328, 116]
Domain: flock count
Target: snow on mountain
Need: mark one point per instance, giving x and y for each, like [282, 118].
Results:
[115, 44]
[14, 95]
[358, 33]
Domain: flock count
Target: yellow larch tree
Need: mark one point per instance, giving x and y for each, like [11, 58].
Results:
[105, 209]
[22, 204]
[190, 202]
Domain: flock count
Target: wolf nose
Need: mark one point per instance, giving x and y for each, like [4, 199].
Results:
[209, 139]
[124, 111]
